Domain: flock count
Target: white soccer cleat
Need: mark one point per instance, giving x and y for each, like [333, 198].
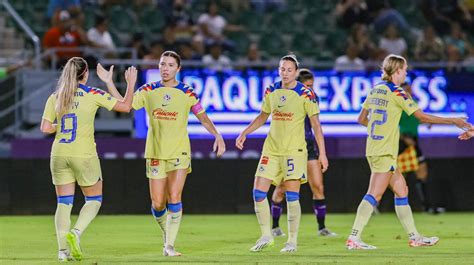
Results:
[276, 232]
[262, 243]
[289, 248]
[422, 241]
[64, 255]
[326, 232]
[358, 244]
[169, 251]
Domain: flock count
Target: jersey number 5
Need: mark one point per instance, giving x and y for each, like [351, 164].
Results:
[377, 122]
[72, 130]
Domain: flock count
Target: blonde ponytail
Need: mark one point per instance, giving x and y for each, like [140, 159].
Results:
[73, 72]
[390, 65]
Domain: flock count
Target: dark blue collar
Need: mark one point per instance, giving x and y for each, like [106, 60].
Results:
[85, 88]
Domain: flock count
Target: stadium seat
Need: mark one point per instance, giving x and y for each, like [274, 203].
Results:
[272, 43]
[152, 19]
[122, 19]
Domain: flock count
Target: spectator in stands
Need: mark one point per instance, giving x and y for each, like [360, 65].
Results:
[350, 12]
[253, 53]
[211, 27]
[137, 43]
[392, 43]
[215, 60]
[349, 61]
[442, 13]
[199, 49]
[458, 40]
[156, 49]
[99, 35]
[180, 18]
[169, 38]
[430, 47]
[468, 63]
[187, 53]
[383, 15]
[457, 47]
[56, 6]
[360, 38]
[65, 35]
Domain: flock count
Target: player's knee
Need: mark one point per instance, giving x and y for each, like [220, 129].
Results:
[96, 199]
[66, 199]
[158, 203]
[175, 197]
[292, 196]
[372, 199]
[175, 207]
[259, 195]
[278, 196]
[319, 191]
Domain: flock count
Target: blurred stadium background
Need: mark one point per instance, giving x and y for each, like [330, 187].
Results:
[231, 50]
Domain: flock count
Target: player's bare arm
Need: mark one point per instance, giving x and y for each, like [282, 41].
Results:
[254, 125]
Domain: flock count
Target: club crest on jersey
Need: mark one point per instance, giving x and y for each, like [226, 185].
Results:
[166, 100]
[282, 99]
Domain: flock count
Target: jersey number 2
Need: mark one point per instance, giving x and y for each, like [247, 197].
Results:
[72, 130]
[377, 122]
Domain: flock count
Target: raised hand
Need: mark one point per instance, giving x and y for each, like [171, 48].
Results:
[104, 75]
[131, 75]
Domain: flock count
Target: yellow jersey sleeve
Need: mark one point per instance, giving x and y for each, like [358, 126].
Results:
[103, 99]
[310, 104]
[49, 113]
[138, 100]
[266, 106]
[405, 101]
[194, 102]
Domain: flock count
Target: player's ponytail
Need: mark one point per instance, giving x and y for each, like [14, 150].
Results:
[72, 73]
[390, 65]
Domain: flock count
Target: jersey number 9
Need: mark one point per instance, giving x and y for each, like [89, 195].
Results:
[377, 122]
[72, 130]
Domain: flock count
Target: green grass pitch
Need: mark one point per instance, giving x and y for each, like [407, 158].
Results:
[225, 239]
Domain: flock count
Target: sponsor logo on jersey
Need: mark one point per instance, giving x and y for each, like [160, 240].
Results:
[161, 114]
[264, 160]
[155, 162]
[282, 116]
[154, 172]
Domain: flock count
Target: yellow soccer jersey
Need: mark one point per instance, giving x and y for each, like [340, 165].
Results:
[168, 109]
[288, 108]
[385, 104]
[75, 129]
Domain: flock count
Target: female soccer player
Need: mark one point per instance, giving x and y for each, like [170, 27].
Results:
[381, 113]
[284, 154]
[70, 113]
[316, 159]
[168, 152]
